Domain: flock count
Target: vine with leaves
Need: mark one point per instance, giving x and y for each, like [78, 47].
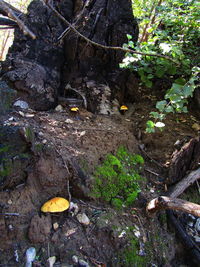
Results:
[173, 29]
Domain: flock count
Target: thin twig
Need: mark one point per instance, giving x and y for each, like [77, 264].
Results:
[153, 160]
[10, 13]
[154, 173]
[127, 50]
[91, 206]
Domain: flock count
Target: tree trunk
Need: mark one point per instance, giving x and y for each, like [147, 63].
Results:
[42, 69]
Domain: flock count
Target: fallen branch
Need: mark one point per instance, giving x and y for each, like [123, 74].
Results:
[162, 203]
[6, 9]
[127, 50]
[180, 187]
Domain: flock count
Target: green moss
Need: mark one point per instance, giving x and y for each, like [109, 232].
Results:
[116, 180]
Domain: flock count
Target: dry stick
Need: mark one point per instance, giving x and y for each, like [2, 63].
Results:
[185, 183]
[127, 50]
[11, 14]
[153, 160]
[172, 202]
[162, 202]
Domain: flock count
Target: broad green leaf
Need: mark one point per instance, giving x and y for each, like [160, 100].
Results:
[188, 91]
[161, 105]
[169, 109]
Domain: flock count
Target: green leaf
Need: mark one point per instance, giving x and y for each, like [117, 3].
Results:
[154, 114]
[150, 124]
[180, 81]
[129, 36]
[161, 105]
[188, 91]
[169, 109]
[160, 72]
[148, 83]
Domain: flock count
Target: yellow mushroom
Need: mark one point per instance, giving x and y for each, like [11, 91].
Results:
[56, 204]
[123, 108]
[74, 109]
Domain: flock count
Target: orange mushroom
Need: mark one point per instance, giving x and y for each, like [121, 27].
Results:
[56, 204]
[123, 109]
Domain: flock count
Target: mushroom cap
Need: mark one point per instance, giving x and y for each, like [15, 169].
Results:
[123, 107]
[74, 109]
[56, 204]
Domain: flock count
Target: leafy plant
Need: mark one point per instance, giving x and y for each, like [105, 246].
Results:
[176, 100]
[116, 180]
[170, 28]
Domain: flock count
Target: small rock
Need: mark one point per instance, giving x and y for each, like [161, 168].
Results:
[21, 104]
[82, 263]
[177, 143]
[69, 121]
[51, 261]
[9, 201]
[40, 134]
[55, 226]
[122, 234]
[11, 119]
[75, 259]
[70, 232]
[30, 256]
[82, 218]
[44, 141]
[59, 108]
[21, 113]
[137, 233]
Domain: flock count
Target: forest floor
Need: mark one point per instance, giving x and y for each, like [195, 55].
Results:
[112, 238]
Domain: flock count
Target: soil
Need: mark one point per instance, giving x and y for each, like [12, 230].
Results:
[68, 147]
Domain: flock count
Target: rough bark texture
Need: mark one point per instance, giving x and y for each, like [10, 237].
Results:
[40, 69]
[185, 160]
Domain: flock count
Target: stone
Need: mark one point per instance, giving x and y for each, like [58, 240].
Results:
[55, 226]
[21, 104]
[83, 218]
[75, 259]
[69, 121]
[59, 108]
[30, 256]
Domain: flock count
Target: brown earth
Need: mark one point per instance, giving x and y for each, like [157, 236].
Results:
[68, 146]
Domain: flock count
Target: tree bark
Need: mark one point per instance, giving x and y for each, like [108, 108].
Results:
[42, 69]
